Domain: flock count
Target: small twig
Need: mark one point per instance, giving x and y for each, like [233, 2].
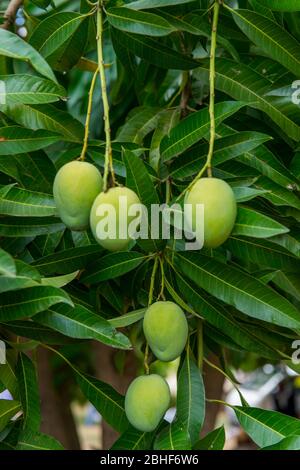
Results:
[10, 13]
[88, 116]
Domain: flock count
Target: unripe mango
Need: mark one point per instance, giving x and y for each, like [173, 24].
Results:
[166, 330]
[115, 198]
[147, 400]
[220, 209]
[75, 187]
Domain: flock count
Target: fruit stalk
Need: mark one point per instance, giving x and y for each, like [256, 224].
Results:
[150, 300]
[108, 150]
[88, 116]
[212, 80]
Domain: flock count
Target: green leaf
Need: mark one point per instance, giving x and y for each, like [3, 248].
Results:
[137, 127]
[128, 318]
[138, 22]
[244, 193]
[241, 82]
[282, 5]
[29, 226]
[266, 427]
[239, 289]
[37, 441]
[138, 179]
[288, 443]
[15, 47]
[274, 40]
[8, 409]
[219, 317]
[141, 4]
[190, 398]
[29, 394]
[132, 439]
[34, 331]
[263, 253]
[154, 52]
[173, 437]
[15, 139]
[48, 117]
[105, 399]
[226, 148]
[30, 301]
[20, 202]
[69, 260]
[81, 323]
[215, 440]
[7, 264]
[111, 266]
[27, 89]
[61, 39]
[254, 224]
[191, 129]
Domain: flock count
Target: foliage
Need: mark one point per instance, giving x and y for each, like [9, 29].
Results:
[59, 286]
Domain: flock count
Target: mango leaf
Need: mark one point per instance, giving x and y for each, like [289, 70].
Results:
[173, 437]
[254, 224]
[29, 394]
[282, 5]
[153, 51]
[46, 116]
[69, 260]
[266, 427]
[288, 443]
[190, 398]
[137, 127]
[241, 82]
[29, 226]
[20, 202]
[30, 301]
[274, 40]
[27, 89]
[138, 22]
[132, 439]
[263, 253]
[61, 39]
[217, 316]
[111, 266]
[81, 323]
[16, 48]
[239, 289]
[15, 139]
[141, 4]
[7, 264]
[128, 319]
[226, 148]
[37, 441]
[215, 440]
[8, 409]
[35, 331]
[191, 129]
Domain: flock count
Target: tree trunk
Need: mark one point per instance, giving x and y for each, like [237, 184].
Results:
[213, 382]
[106, 371]
[57, 418]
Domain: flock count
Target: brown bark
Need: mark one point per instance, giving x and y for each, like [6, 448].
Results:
[57, 418]
[213, 382]
[106, 371]
[10, 13]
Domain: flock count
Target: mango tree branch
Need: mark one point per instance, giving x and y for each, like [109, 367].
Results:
[108, 151]
[10, 13]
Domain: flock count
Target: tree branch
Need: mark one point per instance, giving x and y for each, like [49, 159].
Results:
[10, 13]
